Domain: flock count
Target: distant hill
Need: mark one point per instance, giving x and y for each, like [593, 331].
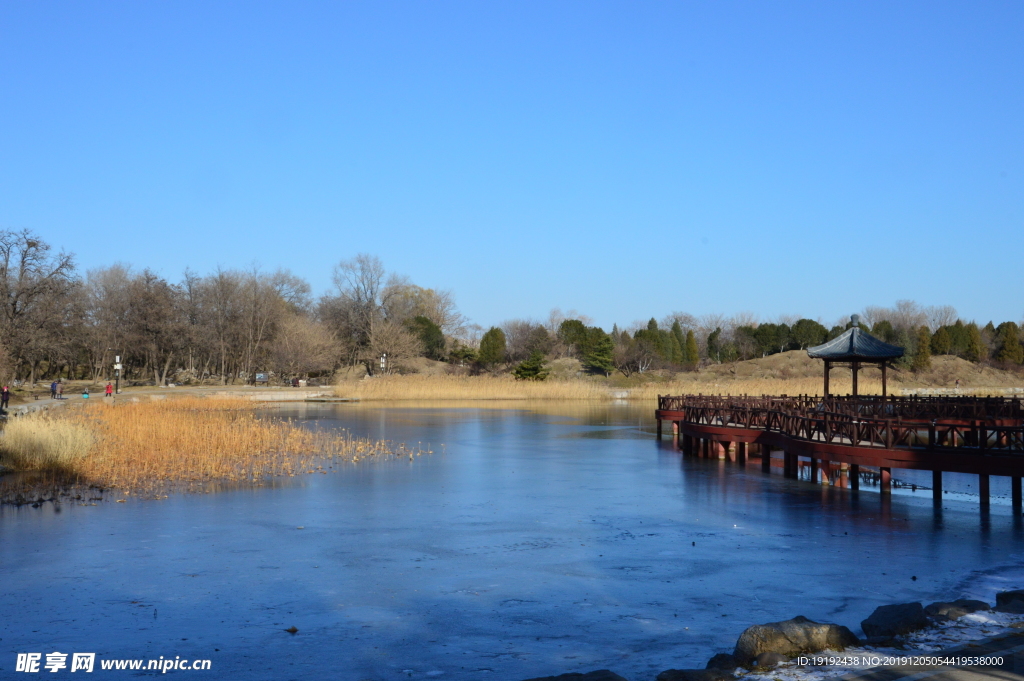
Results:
[796, 365]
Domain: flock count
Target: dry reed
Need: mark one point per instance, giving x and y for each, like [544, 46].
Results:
[178, 444]
[45, 443]
[428, 388]
[444, 388]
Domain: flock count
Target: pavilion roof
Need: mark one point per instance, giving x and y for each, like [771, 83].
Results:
[855, 345]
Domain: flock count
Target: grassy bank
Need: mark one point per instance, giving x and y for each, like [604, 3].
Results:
[453, 388]
[177, 444]
[788, 373]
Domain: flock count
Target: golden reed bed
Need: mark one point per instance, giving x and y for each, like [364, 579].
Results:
[433, 388]
[183, 444]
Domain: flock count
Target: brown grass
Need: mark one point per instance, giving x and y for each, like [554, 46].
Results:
[451, 388]
[175, 444]
[431, 388]
[788, 373]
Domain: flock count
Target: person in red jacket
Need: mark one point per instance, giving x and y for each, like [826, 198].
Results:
[110, 390]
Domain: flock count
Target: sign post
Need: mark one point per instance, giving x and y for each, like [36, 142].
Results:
[117, 374]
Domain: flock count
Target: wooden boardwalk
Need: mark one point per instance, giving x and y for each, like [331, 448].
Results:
[838, 435]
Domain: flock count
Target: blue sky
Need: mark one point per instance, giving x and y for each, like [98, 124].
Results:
[622, 159]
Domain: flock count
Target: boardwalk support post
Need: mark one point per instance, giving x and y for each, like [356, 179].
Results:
[886, 480]
[937, 486]
[983, 489]
[1015, 493]
[766, 458]
[854, 476]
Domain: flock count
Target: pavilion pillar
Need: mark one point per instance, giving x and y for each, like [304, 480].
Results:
[828, 368]
[856, 367]
[884, 393]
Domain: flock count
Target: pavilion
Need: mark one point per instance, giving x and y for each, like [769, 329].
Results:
[854, 348]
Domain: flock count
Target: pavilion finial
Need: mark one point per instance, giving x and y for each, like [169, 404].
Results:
[855, 320]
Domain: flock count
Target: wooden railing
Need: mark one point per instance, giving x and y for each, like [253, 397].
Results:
[982, 425]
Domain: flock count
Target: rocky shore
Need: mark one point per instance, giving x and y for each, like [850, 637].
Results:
[772, 648]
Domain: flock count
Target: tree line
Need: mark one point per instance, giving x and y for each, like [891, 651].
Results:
[228, 326]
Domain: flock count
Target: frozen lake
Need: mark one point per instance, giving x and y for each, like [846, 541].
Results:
[529, 543]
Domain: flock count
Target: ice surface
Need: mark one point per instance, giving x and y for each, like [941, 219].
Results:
[530, 544]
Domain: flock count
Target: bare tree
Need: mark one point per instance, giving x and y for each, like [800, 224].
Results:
[394, 343]
[941, 315]
[686, 320]
[303, 346]
[872, 314]
[32, 281]
[908, 316]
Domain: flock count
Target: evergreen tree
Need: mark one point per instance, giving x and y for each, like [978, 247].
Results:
[941, 343]
[675, 350]
[909, 345]
[729, 352]
[923, 354]
[976, 349]
[883, 330]
[430, 336]
[807, 333]
[677, 332]
[1010, 349]
[715, 345]
[573, 333]
[691, 355]
[958, 339]
[492, 347]
[462, 355]
[600, 352]
[532, 368]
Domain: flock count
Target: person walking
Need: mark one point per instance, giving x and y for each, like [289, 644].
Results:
[53, 390]
[60, 390]
[110, 390]
[5, 398]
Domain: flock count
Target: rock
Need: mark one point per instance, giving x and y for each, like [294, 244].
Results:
[599, 675]
[877, 641]
[955, 609]
[895, 620]
[723, 661]
[769, 660]
[792, 637]
[1010, 601]
[694, 675]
